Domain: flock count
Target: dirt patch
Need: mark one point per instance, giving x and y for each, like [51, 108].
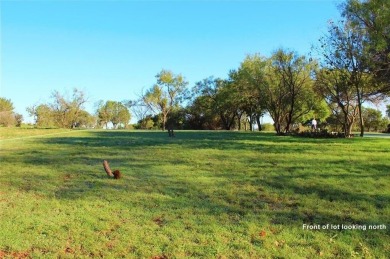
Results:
[160, 257]
[17, 255]
[160, 221]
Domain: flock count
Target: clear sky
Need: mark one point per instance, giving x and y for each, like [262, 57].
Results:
[113, 49]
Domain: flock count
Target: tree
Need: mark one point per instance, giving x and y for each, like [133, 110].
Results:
[64, 111]
[295, 72]
[201, 113]
[388, 111]
[6, 105]
[114, 112]
[18, 119]
[227, 103]
[43, 115]
[104, 113]
[217, 97]
[85, 120]
[166, 94]
[121, 115]
[288, 90]
[7, 117]
[67, 110]
[343, 50]
[249, 79]
[372, 118]
[146, 123]
[372, 19]
[333, 85]
[138, 108]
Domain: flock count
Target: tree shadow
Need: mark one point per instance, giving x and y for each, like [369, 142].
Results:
[288, 199]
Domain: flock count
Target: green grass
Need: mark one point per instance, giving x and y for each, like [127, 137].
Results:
[201, 195]
[16, 133]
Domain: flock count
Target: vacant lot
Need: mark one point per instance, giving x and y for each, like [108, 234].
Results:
[200, 194]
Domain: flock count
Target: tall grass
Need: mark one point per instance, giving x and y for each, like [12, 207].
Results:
[200, 194]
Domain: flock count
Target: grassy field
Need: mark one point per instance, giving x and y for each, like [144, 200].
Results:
[200, 194]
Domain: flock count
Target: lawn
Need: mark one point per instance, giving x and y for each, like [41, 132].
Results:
[201, 194]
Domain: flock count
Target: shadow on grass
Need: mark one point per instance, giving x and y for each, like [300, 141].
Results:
[79, 175]
[224, 140]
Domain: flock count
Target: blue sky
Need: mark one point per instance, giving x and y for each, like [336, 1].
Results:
[113, 49]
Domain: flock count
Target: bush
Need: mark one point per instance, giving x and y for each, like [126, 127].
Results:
[268, 127]
[7, 119]
[321, 134]
[388, 129]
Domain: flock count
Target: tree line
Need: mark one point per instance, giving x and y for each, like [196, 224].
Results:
[68, 112]
[351, 69]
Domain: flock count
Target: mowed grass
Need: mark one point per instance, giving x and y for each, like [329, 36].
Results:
[23, 133]
[200, 194]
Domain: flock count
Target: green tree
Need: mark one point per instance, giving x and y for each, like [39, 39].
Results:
[114, 112]
[7, 117]
[388, 111]
[121, 115]
[201, 113]
[372, 19]
[66, 110]
[372, 118]
[43, 115]
[343, 50]
[289, 93]
[217, 97]
[138, 108]
[146, 123]
[166, 94]
[18, 119]
[6, 105]
[104, 112]
[249, 80]
[85, 120]
[333, 85]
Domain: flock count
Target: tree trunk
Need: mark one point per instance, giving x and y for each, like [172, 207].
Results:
[164, 121]
[227, 122]
[224, 121]
[258, 122]
[239, 121]
[349, 131]
[277, 127]
[251, 122]
[291, 112]
[360, 117]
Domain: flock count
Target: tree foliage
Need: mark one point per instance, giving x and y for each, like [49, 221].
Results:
[332, 84]
[372, 19]
[7, 115]
[373, 119]
[249, 80]
[43, 115]
[388, 110]
[289, 89]
[167, 94]
[63, 111]
[343, 50]
[114, 112]
[215, 103]
[66, 110]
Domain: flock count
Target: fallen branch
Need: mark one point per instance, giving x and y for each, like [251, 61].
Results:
[107, 168]
[116, 174]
